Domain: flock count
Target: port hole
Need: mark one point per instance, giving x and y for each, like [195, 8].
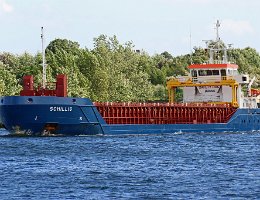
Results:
[2, 101]
[30, 100]
[74, 100]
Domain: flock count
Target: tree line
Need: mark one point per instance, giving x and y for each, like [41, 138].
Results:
[111, 71]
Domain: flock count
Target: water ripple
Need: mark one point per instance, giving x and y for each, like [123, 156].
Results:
[170, 166]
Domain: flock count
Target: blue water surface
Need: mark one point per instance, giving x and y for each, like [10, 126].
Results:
[172, 166]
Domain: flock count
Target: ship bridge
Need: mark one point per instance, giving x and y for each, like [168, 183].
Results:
[215, 72]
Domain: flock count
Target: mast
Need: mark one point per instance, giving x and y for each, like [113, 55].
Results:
[217, 33]
[43, 62]
[217, 48]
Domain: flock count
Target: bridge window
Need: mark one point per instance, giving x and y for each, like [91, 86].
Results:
[202, 73]
[244, 78]
[208, 72]
[223, 72]
[230, 71]
[215, 72]
[194, 73]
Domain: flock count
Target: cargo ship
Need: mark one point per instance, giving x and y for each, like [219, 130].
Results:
[213, 101]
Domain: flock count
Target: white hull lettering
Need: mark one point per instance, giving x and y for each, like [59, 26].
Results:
[60, 109]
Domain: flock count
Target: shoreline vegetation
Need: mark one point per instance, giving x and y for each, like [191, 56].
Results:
[111, 71]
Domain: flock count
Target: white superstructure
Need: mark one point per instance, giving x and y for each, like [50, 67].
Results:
[217, 81]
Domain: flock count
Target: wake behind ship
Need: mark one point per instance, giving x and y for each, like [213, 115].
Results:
[213, 101]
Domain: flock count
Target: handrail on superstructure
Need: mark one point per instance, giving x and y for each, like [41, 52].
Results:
[198, 79]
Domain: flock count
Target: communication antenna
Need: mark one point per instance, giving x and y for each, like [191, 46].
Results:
[43, 62]
[217, 33]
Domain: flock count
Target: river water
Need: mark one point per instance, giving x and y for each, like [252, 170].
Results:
[170, 166]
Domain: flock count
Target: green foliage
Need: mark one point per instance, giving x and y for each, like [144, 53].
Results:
[65, 45]
[199, 56]
[8, 82]
[117, 68]
[160, 93]
[248, 60]
[62, 56]
[111, 71]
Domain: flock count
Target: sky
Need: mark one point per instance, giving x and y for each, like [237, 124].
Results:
[154, 26]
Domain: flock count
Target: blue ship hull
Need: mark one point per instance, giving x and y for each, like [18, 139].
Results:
[45, 115]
